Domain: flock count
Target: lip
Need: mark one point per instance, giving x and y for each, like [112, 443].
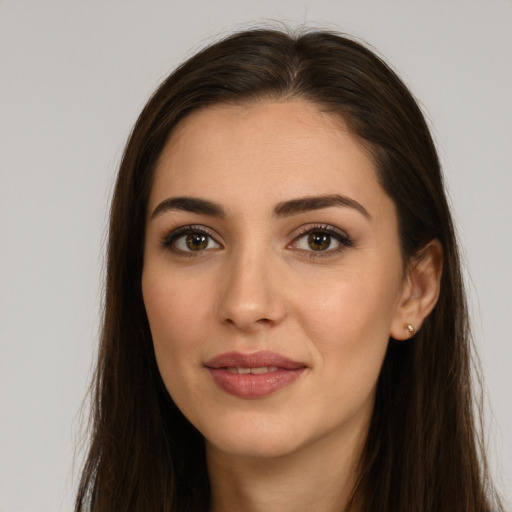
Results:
[283, 372]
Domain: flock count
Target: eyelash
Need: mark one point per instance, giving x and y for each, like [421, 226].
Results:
[341, 237]
[170, 239]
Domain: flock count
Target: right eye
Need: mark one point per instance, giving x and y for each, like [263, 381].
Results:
[190, 239]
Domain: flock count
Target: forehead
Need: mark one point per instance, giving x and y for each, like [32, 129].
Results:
[265, 151]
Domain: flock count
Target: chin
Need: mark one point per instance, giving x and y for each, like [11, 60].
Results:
[263, 440]
[254, 447]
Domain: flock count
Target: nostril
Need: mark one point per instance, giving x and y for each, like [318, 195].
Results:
[261, 321]
[248, 301]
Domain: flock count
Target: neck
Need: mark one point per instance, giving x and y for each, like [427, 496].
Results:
[318, 477]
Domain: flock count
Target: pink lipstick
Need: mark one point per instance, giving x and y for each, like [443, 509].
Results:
[253, 375]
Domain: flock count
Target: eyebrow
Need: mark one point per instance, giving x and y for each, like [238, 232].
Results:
[189, 204]
[310, 203]
[283, 209]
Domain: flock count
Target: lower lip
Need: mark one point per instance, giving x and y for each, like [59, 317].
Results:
[248, 385]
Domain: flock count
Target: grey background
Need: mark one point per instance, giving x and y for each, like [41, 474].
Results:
[73, 77]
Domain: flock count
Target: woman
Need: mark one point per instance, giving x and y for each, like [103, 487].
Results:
[285, 324]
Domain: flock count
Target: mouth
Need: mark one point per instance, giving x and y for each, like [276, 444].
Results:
[255, 371]
[254, 361]
[255, 375]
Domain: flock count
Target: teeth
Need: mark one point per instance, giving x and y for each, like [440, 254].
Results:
[262, 369]
[255, 371]
[238, 369]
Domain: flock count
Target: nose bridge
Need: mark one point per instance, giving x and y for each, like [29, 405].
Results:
[250, 296]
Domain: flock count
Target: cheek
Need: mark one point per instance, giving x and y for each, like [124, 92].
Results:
[177, 314]
[176, 317]
[351, 305]
[349, 320]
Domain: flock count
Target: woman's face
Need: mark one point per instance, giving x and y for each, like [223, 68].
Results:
[272, 276]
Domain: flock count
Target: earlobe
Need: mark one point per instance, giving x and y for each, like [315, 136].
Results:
[420, 291]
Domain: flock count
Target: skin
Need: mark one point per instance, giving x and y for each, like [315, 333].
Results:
[259, 284]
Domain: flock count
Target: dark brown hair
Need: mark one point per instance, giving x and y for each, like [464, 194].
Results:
[423, 452]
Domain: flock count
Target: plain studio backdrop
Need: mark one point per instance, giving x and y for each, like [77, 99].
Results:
[74, 76]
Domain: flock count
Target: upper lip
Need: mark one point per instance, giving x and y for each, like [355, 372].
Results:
[253, 360]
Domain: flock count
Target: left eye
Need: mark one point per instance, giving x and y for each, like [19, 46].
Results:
[321, 240]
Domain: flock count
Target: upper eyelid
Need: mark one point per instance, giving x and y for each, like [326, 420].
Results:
[343, 239]
[308, 228]
[173, 234]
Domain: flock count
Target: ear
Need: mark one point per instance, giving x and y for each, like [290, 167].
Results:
[420, 291]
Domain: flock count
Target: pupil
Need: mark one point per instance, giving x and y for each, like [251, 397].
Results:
[319, 241]
[196, 242]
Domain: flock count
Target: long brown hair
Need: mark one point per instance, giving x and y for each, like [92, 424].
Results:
[423, 451]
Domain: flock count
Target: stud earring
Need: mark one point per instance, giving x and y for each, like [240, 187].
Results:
[410, 328]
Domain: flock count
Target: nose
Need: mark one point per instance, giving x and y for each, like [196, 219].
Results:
[251, 297]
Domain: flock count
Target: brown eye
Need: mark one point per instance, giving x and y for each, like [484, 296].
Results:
[196, 241]
[322, 241]
[189, 240]
[319, 241]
